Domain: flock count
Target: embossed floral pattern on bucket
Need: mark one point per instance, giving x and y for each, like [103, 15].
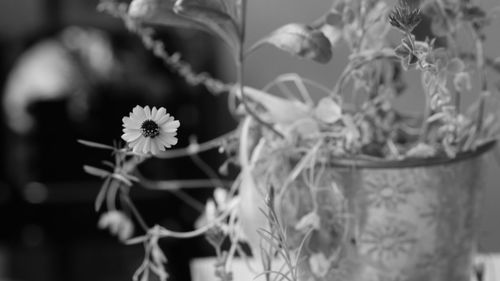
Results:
[387, 223]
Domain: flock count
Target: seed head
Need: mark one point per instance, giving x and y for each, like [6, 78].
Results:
[405, 16]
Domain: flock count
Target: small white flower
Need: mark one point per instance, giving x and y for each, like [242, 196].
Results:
[117, 223]
[149, 130]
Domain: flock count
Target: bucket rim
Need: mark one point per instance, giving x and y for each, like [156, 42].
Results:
[413, 162]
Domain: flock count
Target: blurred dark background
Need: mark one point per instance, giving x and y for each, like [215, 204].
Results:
[68, 72]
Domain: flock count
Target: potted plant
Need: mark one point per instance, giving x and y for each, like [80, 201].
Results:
[344, 187]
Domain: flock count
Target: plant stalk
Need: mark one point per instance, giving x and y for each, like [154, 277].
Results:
[244, 99]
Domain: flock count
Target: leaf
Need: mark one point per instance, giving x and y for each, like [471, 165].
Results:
[332, 33]
[251, 219]
[308, 221]
[303, 41]
[95, 144]
[160, 12]
[455, 66]
[402, 51]
[158, 255]
[96, 171]
[422, 150]
[304, 128]
[279, 110]
[101, 195]
[462, 82]
[122, 178]
[225, 18]
[328, 111]
[331, 25]
[377, 26]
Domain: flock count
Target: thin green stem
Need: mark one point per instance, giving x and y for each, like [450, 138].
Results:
[135, 212]
[424, 129]
[194, 233]
[212, 175]
[189, 200]
[173, 185]
[201, 147]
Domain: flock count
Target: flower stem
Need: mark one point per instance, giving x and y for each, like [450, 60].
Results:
[244, 99]
[424, 129]
[135, 212]
[201, 147]
[480, 61]
[197, 232]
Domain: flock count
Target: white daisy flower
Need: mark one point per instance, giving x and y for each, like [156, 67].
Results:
[149, 130]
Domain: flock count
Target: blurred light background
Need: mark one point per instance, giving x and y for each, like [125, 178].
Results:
[47, 223]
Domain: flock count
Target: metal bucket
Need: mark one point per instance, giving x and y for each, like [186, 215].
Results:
[412, 220]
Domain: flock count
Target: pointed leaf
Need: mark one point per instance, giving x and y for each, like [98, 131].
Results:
[303, 41]
[331, 25]
[225, 18]
[101, 195]
[95, 144]
[160, 12]
[96, 171]
[279, 110]
[308, 221]
[121, 178]
[402, 51]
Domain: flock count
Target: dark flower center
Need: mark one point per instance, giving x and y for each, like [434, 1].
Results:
[150, 129]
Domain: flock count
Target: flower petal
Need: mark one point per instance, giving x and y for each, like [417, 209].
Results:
[134, 142]
[131, 135]
[147, 112]
[159, 115]
[138, 114]
[168, 140]
[161, 146]
[146, 146]
[138, 147]
[170, 127]
[164, 118]
[153, 113]
[155, 146]
[131, 123]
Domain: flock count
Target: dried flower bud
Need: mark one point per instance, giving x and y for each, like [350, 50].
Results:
[405, 16]
[215, 236]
